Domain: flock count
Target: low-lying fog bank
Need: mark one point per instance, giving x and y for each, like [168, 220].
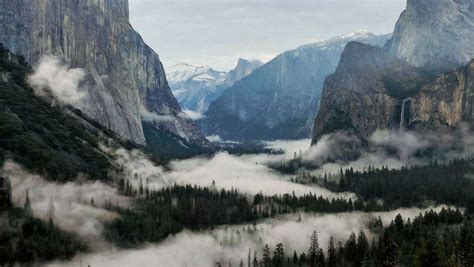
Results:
[248, 174]
[74, 207]
[232, 243]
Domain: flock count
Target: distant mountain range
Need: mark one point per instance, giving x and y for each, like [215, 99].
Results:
[280, 99]
[195, 87]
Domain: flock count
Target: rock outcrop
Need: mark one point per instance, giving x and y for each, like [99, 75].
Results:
[124, 75]
[274, 101]
[435, 34]
[372, 90]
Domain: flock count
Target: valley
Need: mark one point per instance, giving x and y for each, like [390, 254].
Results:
[355, 150]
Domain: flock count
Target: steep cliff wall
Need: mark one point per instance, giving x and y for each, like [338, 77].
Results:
[446, 101]
[373, 90]
[124, 75]
[365, 93]
[436, 34]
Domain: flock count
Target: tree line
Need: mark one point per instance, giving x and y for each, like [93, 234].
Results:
[444, 238]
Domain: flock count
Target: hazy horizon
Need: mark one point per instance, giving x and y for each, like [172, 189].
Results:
[216, 33]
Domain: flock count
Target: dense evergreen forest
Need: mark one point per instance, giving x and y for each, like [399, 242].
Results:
[444, 238]
[450, 183]
[24, 239]
[40, 136]
[157, 214]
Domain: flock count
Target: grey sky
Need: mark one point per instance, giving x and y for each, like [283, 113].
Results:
[218, 32]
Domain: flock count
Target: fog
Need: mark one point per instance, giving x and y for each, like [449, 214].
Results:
[152, 116]
[232, 243]
[54, 80]
[390, 148]
[249, 174]
[73, 211]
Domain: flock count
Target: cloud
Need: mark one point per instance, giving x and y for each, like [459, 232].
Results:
[54, 79]
[73, 211]
[218, 32]
[390, 148]
[214, 138]
[249, 174]
[232, 243]
[191, 115]
[153, 116]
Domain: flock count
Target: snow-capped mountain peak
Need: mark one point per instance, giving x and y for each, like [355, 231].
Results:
[196, 86]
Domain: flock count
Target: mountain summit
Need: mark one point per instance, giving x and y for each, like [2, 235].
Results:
[195, 87]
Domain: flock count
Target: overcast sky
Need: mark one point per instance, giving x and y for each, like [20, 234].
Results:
[217, 32]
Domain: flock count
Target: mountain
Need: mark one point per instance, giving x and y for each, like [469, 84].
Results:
[436, 34]
[366, 91]
[244, 68]
[274, 101]
[124, 77]
[421, 80]
[372, 90]
[195, 87]
[60, 143]
[192, 85]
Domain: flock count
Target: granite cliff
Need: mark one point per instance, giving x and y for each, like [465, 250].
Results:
[421, 80]
[436, 34]
[372, 90]
[124, 77]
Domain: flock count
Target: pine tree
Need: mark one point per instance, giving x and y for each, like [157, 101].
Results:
[332, 253]
[278, 255]
[350, 250]
[362, 247]
[141, 187]
[248, 260]
[388, 251]
[27, 205]
[267, 260]
[255, 260]
[313, 249]
[295, 258]
[51, 209]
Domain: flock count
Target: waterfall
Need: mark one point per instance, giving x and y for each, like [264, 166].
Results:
[402, 113]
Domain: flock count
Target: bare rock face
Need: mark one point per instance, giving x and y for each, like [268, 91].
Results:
[124, 75]
[437, 34]
[365, 93]
[446, 101]
[373, 90]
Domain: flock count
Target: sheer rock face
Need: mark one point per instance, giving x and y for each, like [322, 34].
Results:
[123, 73]
[437, 34]
[446, 101]
[373, 90]
[274, 101]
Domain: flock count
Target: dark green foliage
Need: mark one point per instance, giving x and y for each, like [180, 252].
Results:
[338, 121]
[407, 187]
[166, 145]
[24, 239]
[442, 238]
[157, 214]
[41, 137]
